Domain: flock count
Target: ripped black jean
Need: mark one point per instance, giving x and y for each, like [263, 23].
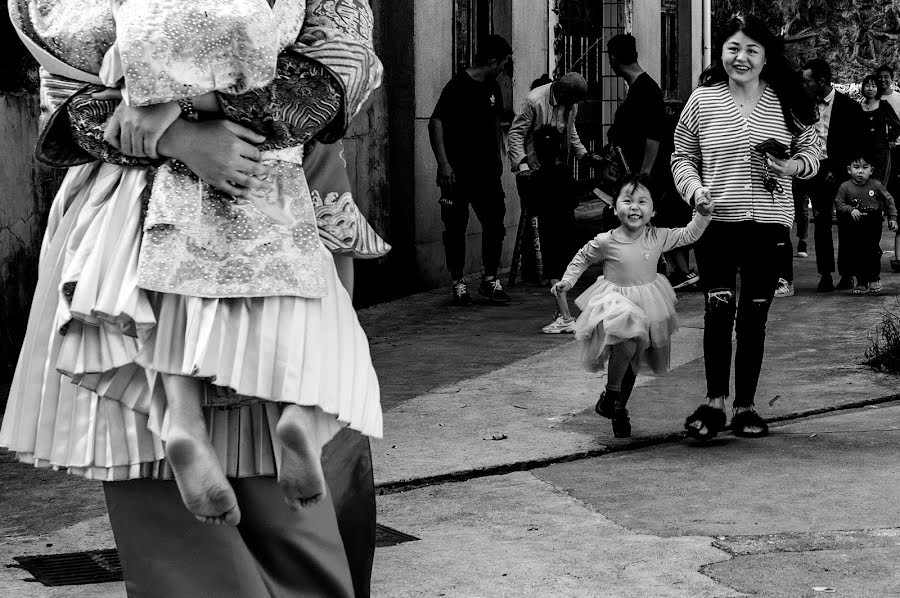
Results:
[726, 249]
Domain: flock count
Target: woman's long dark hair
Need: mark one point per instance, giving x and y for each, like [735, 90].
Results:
[798, 108]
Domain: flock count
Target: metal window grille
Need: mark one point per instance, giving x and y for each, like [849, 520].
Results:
[669, 49]
[472, 20]
[580, 45]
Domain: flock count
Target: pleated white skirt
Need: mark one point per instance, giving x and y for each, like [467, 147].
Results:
[86, 396]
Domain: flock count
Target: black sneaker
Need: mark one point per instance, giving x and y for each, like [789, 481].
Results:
[845, 283]
[493, 290]
[825, 284]
[802, 250]
[461, 293]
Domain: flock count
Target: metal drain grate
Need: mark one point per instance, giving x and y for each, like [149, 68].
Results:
[386, 536]
[102, 566]
[74, 568]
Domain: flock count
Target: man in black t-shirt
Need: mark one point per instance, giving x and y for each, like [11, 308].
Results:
[645, 134]
[465, 136]
[639, 124]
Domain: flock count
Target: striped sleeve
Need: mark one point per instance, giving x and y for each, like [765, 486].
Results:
[807, 147]
[686, 159]
[715, 147]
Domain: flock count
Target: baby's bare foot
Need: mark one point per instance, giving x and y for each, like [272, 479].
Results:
[300, 475]
[204, 488]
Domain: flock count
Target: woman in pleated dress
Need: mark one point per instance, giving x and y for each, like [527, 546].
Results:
[87, 395]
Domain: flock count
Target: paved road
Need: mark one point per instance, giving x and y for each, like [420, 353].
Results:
[556, 506]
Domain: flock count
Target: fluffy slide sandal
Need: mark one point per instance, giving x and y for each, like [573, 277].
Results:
[713, 420]
[742, 421]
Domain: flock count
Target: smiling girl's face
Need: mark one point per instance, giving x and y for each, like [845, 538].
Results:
[634, 207]
[743, 58]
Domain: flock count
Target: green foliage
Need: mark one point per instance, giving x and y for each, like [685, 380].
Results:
[883, 354]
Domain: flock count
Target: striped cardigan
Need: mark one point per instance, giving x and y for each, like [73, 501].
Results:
[714, 148]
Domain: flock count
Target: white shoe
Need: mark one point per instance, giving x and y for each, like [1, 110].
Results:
[559, 325]
[784, 288]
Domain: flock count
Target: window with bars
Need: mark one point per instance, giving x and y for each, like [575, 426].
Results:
[473, 20]
[669, 58]
[580, 45]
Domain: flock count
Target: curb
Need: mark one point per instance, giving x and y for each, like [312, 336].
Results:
[645, 442]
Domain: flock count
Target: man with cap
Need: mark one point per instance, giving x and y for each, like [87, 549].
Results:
[547, 114]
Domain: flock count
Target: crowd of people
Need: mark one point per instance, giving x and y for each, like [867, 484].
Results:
[753, 146]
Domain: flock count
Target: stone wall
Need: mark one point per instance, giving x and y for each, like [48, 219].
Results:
[854, 36]
[26, 190]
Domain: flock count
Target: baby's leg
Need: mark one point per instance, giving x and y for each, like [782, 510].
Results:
[201, 481]
[300, 475]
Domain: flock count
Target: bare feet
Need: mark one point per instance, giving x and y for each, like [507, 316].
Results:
[300, 475]
[201, 480]
[204, 488]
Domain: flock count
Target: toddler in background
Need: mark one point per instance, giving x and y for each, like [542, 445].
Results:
[866, 202]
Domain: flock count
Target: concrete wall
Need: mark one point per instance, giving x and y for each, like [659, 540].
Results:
[26, 191]
[645, 22]
[433, 67]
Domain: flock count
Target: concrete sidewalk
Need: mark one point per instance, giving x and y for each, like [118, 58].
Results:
[499, 376]
[494, 458]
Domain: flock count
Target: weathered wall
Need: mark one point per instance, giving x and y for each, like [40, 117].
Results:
[854, 36]
[645, 29]
[26, 190]
[432, 57]
[368, 164]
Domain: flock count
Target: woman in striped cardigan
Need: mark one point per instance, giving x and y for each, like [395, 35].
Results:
[751, 95]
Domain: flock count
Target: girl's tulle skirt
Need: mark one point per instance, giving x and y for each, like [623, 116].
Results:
[87, 395]
[611, 314]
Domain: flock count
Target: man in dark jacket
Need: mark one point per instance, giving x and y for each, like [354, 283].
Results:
[840, 119]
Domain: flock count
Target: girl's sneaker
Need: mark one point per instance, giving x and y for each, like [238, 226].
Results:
[860, 289]
[875, 287]
[559, 325]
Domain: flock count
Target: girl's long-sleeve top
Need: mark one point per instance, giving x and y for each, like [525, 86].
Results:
[714, 148]
[633, 263]
[866, 198]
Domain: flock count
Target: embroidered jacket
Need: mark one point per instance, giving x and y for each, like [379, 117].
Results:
[199, 241]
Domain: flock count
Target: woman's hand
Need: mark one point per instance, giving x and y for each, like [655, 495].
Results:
[856, 215]
[701, 194]
[705, 205]
[788, 167]
[561, 287]
[135, 130]
[220, 152]
[892, 225]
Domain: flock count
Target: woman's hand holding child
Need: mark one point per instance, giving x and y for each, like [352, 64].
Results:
[561, 287]
[705, 205]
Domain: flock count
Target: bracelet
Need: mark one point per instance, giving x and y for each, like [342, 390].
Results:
[187, 108]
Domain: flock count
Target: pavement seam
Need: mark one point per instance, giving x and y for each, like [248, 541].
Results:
[641, 443]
